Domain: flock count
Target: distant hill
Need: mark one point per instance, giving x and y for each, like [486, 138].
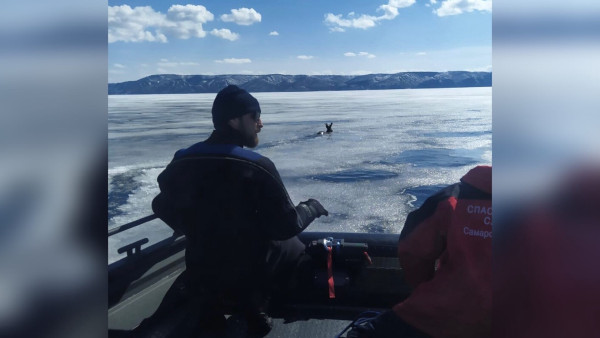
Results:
[181, 84]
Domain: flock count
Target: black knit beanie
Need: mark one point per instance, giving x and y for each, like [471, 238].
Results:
[231, 102]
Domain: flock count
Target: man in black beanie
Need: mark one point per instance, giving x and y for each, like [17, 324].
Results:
[239, 221]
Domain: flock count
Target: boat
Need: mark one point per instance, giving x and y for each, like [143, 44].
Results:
[357, 275]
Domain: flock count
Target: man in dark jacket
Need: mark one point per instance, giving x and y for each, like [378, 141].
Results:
[239, 221]
[445, 250]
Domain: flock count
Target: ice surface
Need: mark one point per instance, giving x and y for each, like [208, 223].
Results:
[388, 151]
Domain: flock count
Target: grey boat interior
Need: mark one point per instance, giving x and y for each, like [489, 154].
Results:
[366, 275]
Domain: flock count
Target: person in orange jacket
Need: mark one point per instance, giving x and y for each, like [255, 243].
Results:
[546, 253]
[445, 251]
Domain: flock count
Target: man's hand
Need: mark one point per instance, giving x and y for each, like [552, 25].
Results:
[316, 209]
[309, 210]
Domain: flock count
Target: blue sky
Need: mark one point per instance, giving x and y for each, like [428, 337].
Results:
[311, 37]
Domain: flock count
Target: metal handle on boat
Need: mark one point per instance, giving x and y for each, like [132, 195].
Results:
[133, 248]
[130, 225]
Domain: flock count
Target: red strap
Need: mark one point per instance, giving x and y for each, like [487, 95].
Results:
[368, 257]
[330, 273]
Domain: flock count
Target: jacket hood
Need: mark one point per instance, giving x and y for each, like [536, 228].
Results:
[480, 177]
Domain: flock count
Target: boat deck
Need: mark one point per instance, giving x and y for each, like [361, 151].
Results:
[302, 322]
[150, 286]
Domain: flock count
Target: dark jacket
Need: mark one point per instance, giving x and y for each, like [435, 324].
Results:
[229, 202]
[453, 228]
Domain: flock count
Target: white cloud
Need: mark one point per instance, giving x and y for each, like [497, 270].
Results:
[118, 65]
[337, 23]
[364, 54]
[225, 34]
[487, 68]
[234, 61]
[359, 72]
[274, 33]
[305, 57]
[132, 24]
[186, 21]
[116, 70]
[401, 3]
[367, 55]
[323, 72]
[164, 63]
[176, 67]
[242, 16]
[390, 12]
[421, 53]
[455, 7]
[196, 13]
[364, 22]
[145, 24]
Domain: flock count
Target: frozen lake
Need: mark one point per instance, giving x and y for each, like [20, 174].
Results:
[390, 149]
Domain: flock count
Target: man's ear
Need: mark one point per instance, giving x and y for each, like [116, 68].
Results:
[234, 123]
